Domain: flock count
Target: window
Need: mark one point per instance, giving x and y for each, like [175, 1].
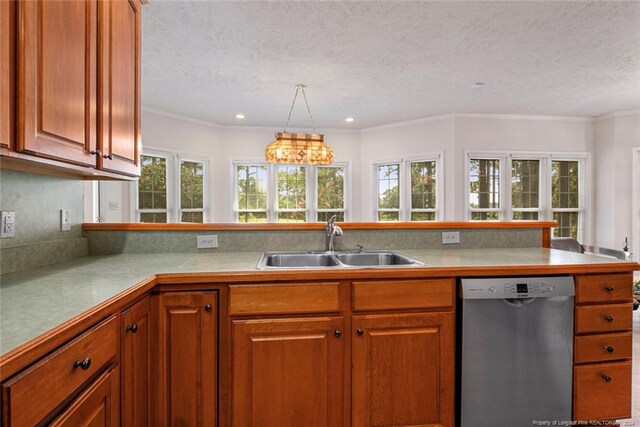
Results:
[152, 189]
[330, 192]
[251, 190]
[171, 189]
[542, 186]
[389, 192]
[408, 189]
[289, 193]
[565, 197]
[484, 189]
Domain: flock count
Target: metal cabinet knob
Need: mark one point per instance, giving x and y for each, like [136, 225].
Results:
[96, 152]
[608, 318]
[359, 331]
[208, 308]
[132, 328]
[609, 288]
[337, 333]
[108, 156]
[609, 349]
[607, 378]
[83, 364]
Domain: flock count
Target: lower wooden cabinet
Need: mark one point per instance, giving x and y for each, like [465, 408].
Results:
[288, 372]
[403, 370]
[602, 391]
[186, 359]
[97, 406]
[136, 364]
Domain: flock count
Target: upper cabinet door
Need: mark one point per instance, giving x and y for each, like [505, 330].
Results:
[57, 74]
[7, 69]
[120, 86]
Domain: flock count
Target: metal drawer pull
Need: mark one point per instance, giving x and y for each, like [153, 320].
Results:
[608, 318]
[108, 156]
[82, 364]
[609, 288]
[607, 378]
[132, 328]
[96, 153]
[609, 349]
[208, 308]
[337, 333]
[359, 331]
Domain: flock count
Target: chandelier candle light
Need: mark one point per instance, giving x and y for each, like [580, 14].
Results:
[299, 148]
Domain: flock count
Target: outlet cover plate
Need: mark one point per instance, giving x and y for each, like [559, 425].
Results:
[207, 242]
[450, 237]
[65, 220]
[8, 225]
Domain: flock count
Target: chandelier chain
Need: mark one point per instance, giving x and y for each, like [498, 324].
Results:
[293, 103]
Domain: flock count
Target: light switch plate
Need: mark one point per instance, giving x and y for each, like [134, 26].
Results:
[207, 242]
[65, 220]
[450, 237]
[8, 225]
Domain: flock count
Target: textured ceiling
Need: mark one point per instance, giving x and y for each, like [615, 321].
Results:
[384, 62]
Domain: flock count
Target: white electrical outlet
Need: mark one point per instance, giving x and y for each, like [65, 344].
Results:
[65, 220]
[450, 237]
[8, 225]
[207, 242]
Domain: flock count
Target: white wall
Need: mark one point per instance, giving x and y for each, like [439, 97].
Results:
[615, 138]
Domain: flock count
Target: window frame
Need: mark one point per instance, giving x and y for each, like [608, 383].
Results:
[311, 191]
[276, 207]
[545, 205]
[404, 182]
[174, 210]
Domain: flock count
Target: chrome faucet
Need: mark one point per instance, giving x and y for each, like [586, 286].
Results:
[333, 230]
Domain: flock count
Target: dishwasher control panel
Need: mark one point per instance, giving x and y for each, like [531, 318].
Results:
[517, 287]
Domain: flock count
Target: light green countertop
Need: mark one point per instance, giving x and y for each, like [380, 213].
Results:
[35, 301]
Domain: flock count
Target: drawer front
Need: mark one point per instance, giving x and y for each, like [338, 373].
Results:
[602, 391]
[603, 347]
[399, 294]
[33, 394]
[284, 299]
[603, 318]
[609, 288]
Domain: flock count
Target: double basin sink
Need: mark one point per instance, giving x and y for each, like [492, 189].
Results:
[282, 260]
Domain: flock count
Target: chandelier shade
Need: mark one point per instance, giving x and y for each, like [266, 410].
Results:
[299, 148]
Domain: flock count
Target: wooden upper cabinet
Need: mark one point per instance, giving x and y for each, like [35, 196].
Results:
[135, 364]
[403, 370]
[119, 86]
[7, 73]
[288, 372]
[187, 365]
[57, 75]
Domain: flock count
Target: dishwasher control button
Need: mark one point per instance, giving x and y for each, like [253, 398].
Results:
[551, 288]
[492, 289]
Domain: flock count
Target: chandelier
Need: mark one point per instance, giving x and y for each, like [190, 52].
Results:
[299, 148]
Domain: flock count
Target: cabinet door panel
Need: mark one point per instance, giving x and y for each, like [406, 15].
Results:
[7, 70]
[403, 370]
[97, 406]
[120, 86]
[57, 79]
[136, 352]
[188, 331]
[287, 372]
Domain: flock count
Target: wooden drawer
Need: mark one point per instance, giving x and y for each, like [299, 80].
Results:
[33, 394]
[603, 318]
[603, 347]
[595, 398]
[399, 294]
[284, 299]
[609, 288]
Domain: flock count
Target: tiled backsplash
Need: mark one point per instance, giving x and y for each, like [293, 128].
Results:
[37, 201]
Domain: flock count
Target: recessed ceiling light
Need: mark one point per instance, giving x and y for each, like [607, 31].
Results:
[239, 116]
[349, 119]
[476, 85]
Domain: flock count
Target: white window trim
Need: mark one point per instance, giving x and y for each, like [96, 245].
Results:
[546, 211]
[635, 204]
[173, 186]
[404, 210]
[311, 193]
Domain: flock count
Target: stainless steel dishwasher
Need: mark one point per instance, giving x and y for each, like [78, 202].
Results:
[516, 351]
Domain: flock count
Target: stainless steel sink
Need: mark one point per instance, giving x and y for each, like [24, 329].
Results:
[369, 259]
[297, 260]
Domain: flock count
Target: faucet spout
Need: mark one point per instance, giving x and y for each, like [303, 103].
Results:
[332, 230]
